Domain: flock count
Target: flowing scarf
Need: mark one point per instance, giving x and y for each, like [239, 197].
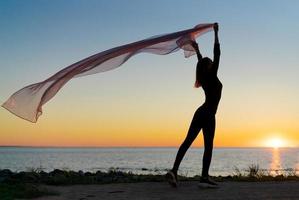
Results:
[27, 102]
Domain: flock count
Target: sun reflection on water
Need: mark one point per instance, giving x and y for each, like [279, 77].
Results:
[275, 166]
[297, 169]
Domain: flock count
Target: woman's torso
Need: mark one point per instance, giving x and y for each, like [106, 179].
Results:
[212, 88]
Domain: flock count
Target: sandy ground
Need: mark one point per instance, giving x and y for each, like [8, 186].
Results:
[187, 190]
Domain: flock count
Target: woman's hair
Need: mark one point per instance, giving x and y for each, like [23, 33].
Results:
[201, 71]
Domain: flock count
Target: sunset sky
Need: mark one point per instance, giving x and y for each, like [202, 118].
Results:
[150, 100]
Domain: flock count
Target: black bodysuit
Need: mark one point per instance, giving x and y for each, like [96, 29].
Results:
[212, 85]
[204, 116]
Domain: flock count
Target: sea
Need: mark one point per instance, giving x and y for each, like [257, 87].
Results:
[151, 160]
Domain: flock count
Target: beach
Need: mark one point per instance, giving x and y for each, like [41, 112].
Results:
[186, 190]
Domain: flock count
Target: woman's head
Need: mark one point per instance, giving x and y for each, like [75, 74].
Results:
[202, 70]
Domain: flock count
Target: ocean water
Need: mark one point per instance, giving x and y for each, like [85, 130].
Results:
[149, 160]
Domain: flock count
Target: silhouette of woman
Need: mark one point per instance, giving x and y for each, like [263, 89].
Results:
[204, 117]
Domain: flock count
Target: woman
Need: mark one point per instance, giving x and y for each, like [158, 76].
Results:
[204, 117]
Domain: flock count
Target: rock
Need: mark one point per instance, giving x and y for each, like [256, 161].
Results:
[57, 172]
[88, 174]
[25, 177]
[73, 174]
[99, 173]
[4, 174]
[81, 173]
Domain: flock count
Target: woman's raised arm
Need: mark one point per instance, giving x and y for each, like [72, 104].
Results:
[216, 49]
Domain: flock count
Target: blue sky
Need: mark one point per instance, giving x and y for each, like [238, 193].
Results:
[44, 36]
[259, 63]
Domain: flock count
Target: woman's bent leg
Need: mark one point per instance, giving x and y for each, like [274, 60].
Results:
[193, 131]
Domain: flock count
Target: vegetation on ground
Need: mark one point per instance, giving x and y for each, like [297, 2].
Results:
[22, 190]
[30, 184]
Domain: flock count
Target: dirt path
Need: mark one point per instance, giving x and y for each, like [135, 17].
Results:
[187, 190]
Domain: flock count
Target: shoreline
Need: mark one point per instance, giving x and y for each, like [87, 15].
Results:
[67, 177]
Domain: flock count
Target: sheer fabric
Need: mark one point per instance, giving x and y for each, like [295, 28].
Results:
[27, 102]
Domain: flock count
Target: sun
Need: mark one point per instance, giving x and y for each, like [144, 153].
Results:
[275, 143]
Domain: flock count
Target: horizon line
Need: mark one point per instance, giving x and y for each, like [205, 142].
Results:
[222, 147]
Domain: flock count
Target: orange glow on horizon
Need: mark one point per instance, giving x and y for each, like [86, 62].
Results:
[139, 125]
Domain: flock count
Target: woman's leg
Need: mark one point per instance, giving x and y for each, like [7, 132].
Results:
[208, 134]
[193, 131]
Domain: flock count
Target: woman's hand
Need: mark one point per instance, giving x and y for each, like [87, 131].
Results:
[194, 45]
[215, 27]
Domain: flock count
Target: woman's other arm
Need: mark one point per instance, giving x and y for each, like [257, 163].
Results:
[195, 46]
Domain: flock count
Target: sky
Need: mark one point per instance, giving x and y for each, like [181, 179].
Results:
[150, 100]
